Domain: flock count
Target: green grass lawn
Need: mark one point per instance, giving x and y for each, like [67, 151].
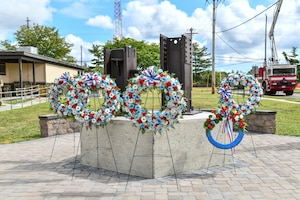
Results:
[23, 124]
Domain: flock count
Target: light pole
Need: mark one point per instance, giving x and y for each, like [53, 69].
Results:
[213, 79]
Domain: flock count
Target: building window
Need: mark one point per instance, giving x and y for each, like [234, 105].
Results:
[2, 69]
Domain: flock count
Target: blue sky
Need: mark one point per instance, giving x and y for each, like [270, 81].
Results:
[84, 22]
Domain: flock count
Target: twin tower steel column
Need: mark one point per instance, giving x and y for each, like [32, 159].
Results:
[175, 57]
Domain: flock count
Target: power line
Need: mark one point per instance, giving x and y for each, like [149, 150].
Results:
[248, 19]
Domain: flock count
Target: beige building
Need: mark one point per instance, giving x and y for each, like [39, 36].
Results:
[25, 67]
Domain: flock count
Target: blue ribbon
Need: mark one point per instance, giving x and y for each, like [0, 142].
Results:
[64, 77]
[91, 79]
[151, 76]
[226, 93]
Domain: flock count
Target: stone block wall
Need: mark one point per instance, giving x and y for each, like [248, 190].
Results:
[54, 125]
[262, 121]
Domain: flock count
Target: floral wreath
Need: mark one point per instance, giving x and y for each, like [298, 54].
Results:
[216, 116]
[237, 119]
[79, 94]
[175, 102]
[60, 86]
[234, 80]
[232, 111]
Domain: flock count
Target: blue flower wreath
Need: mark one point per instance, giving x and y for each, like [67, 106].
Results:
[79, 94]
[157, 120]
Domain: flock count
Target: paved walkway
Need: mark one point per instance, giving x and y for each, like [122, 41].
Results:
[8, 106]
[29, 170]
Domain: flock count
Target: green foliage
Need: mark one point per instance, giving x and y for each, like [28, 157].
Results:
[292, 58]
[201, 62]
[46, 39]
[6, 45]
[97, 51]
[147, 54]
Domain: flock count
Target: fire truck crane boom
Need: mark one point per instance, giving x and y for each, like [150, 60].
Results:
[274, 56]
[275, 76]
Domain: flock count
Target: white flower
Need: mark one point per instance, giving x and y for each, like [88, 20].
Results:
[111, 95]
[213, 117]
[144, 119]
[135, 86]
[236, 118]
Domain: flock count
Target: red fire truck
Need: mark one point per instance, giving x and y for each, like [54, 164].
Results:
[276, 77]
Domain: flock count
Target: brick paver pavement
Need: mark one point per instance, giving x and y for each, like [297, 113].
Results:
[29, 170]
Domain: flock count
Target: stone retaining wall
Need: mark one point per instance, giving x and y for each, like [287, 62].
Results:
[262, 121]
[54, 125]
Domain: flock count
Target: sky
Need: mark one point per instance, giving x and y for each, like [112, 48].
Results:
[240, 42]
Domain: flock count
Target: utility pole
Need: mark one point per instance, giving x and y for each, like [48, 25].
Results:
[213, 80]
[192, 49]
[27, 22]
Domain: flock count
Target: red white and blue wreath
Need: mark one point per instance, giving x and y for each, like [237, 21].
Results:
[232, 111]
[80, 93]
[57, 93]
[175, 102]
[247, 81]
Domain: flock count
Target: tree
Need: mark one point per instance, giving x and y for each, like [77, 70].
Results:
[293, 60]
[97, 51]
[46, 39]
[98, 60]
[6, 45]
[201, 62]
[147, 54]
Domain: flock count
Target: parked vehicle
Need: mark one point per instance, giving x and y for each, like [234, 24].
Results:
[275, 76]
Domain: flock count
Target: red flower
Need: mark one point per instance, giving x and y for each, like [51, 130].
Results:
[141, 81]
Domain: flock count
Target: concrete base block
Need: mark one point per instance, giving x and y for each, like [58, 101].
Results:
[120, 146]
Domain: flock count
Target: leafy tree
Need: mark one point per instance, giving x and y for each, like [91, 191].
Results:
[98, 60]
[293, 60]
[201, 62]
[147, 54]
[46, 39]
[97, 51]
[6, 45]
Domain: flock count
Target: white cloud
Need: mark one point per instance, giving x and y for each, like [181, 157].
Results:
[76, 10]
[80, 49]
[146, 20]
[13, 14]
[102, 21]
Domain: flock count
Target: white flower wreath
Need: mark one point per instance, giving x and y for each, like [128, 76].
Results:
[60, 87]
[235, 80]
[79, 94]
[175, 102]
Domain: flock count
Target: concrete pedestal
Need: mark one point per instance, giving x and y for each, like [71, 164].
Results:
[189, 147]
